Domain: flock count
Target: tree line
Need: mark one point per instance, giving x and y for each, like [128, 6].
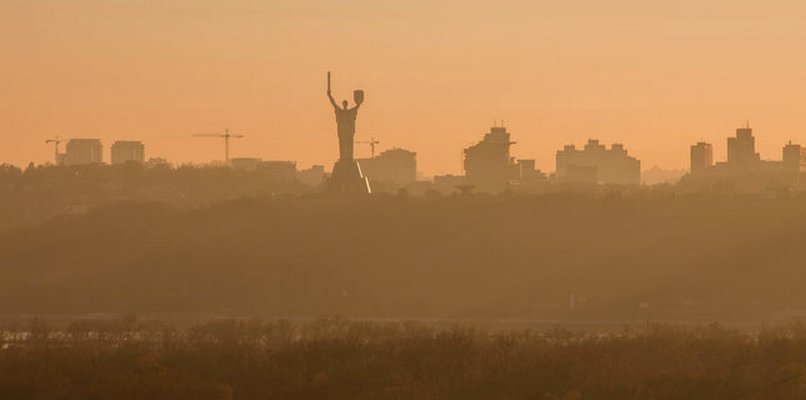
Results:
[333, 358]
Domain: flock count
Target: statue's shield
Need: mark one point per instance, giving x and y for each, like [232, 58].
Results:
[358, 96]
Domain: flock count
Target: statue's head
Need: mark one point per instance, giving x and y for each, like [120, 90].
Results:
[344, 104]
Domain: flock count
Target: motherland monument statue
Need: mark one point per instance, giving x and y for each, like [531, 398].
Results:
[346, 177]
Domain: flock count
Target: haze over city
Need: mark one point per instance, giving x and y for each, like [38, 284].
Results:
[365, 199]
[654, 76]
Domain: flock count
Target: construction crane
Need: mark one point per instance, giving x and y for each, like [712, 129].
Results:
[55, 141]
[372, 143]
[226, 135]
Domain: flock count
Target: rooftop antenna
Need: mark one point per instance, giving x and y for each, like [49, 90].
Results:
[226, 136]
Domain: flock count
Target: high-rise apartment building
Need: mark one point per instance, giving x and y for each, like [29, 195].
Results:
[83, 151]
[794, 159]
[127, 151]
[742, 149]
[702, 157]
[487, 163]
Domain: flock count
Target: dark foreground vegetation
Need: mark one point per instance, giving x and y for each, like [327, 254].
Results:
[336, 359]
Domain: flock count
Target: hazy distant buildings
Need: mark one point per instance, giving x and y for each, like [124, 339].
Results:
[794, 157]
[313, 176]
[742, 149]
[395, 166]
[275, 171]
[449, 183]
[743, 158]
[489, 167]
[245, 163]
[586, 174]
[702, 157]
[127, 151]
[526, 177]
[83, 151]
[744, 171]
[527, 172]
[487, 163]
[157, 162]
[279, 171]
[597, 164]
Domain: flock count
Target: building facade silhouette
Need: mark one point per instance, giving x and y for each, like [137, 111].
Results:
[597, 164]
[83, 151]
[279, 171]
[742, 149]
[526, 171]
[395, 166]
[313, 176]
[794, 158]
[487, 164]
[124, 151]
[702, 157]
[245, 163]
[745, 172]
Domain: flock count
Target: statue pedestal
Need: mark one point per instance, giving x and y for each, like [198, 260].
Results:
[348, 179]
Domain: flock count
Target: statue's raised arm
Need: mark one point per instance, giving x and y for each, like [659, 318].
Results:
[329, 94]
[332, 101]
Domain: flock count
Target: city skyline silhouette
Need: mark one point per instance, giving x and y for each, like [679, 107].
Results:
[364, 199]
[656, 78]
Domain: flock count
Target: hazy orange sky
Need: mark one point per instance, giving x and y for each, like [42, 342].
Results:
[654, 75]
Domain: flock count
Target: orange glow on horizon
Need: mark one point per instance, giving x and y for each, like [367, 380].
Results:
[655, 77]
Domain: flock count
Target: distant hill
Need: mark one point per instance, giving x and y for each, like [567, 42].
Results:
[657, 175]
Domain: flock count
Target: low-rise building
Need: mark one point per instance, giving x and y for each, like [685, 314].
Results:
[279, 171]
[395, 166]
[313, 176]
